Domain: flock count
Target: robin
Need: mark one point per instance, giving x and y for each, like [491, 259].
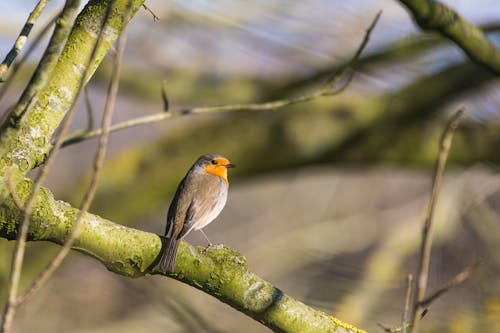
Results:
[200, 197]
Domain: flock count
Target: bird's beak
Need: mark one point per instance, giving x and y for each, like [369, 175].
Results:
[230, 165]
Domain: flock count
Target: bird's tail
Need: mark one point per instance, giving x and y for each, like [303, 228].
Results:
[167, 261]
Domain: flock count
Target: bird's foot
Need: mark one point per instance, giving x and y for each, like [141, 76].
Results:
[211, 246]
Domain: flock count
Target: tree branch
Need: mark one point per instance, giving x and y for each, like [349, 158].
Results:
[36, 41]
[25, 142]
[98, 163]
[455, 281]
[220, 272]
[426, 242]
[432, 15]
[22, 38]
[327, 89]
[409, 284]
[63, 24]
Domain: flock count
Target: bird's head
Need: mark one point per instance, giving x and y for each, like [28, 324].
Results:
[215, 165]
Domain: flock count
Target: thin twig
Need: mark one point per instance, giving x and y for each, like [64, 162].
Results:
[405, 311]
[389, 329]
[88, 106]
[36, 40]
[164, 96]
[22, 38]
[455, 281]
[18, 257]
[409, 283]
[426, 243]
[325, 90]
[155, 18]
[98, 163]
[332, 81]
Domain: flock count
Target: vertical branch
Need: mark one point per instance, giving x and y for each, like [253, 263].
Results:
[19, 250]
[426, 243]
[90, 111]
[98, 163]
[409, 282]
[22, 38]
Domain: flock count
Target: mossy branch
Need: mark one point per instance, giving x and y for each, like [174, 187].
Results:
[220, 272]
[25, 141]
[433, 15]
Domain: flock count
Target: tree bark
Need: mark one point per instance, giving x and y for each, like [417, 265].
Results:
[220, 272]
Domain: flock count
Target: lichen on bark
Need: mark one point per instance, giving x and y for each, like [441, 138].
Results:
[219, 271]
[25, 140]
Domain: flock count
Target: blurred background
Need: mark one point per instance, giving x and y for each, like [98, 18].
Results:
[328, 196]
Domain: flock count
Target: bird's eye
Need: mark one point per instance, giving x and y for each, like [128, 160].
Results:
[213, 161]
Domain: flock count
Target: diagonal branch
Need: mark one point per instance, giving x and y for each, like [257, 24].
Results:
[25, 141]
[36, 41]
[22, 38]
[220, 272]
[433, 15]
[328, 89]
[455, 281]
[43, 72]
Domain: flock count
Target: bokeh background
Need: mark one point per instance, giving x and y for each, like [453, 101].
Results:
[328, 196]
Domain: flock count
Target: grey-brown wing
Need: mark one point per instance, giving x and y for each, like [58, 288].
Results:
[178, 208]
[203, 200]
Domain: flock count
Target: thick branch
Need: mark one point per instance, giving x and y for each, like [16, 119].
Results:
[64, 22]
[26, 140]
[432, 15]
[220, 272]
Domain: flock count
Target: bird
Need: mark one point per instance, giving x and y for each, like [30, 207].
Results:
[200, 197]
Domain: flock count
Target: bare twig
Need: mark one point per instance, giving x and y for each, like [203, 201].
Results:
[155, 18]
[164, 96]
[36, 40]
[426, 243]
[98, 163]
[455, 281]
[18, 256]
[409, 283]
[405, 311]
[325, 90]
[332, 81]
[389, 329]
[22, 38]
[90, 111]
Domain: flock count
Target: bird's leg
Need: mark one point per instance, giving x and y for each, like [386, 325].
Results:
[208, 240]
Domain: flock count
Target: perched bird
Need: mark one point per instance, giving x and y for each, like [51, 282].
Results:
[200, 197]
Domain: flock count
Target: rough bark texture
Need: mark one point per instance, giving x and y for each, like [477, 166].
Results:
[432, 15]
[220, 272]
[26, 138]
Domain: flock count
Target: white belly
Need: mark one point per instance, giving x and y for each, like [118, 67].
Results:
[216, 209]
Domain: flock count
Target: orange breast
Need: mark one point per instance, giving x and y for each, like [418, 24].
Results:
[217, 170]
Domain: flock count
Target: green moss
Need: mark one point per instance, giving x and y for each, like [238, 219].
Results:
[219, 271]
[26, 142]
